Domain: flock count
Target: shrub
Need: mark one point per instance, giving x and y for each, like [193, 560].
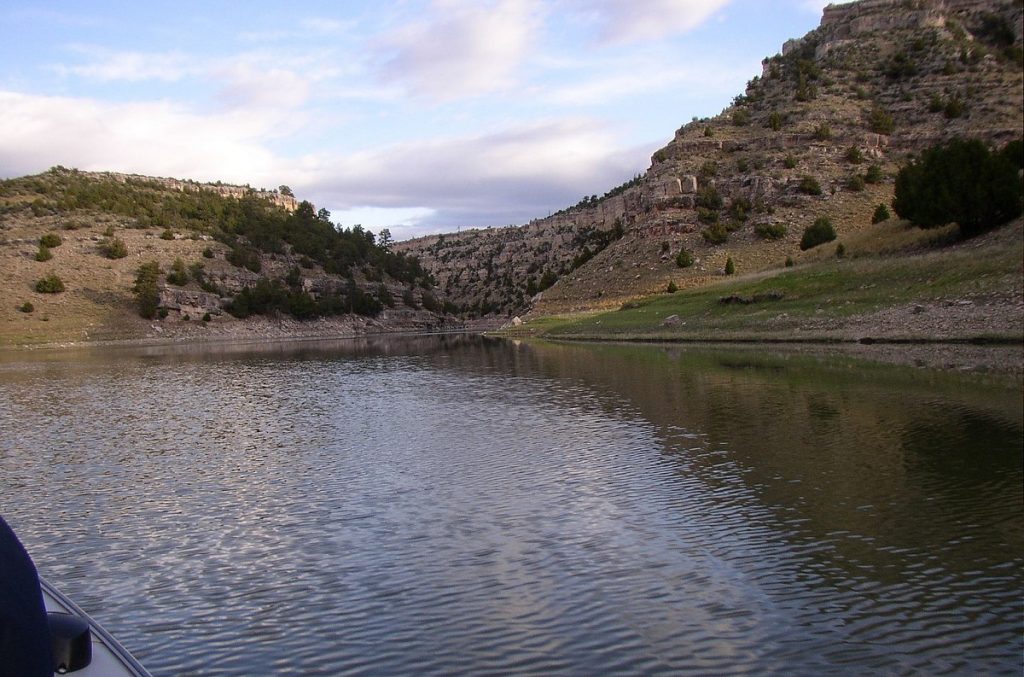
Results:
[880, 122]
[207, 317]
[147, 292]
[789, 162]
[770, 231]
[856, 183]
[50, 240]
[741, 117]
[823, 132]
[207, 253]
[168, 234]
[789, 261]
[178, 275]
[954, 108]
[51, 284]
[743, 165]
[244, 257]
[840, 250]
[684, 259]
[409, 299]
[109, 232]
[775, 121]
[430, 302]
[708, 168]
[385, 296]
[874, 174]
[709, 198]
[671, 288]
[26, 307]
[881, 214]
[716, 234]
[740, 208]
[707, 216]
[820, 232]
[708, 131]
[809, 185]
[730, 267]
[114, 248]
[44, 253]
[854, 156]
[962, 182]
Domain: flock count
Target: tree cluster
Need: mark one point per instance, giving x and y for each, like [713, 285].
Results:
[964, 182]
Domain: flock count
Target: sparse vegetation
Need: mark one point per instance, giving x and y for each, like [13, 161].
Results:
[809, 185]
[684, 259]
[820, 232]
[114, 248]
[880, 121]
[51, 284]
[178, 274]
[881, 214]
[715, 234]
[770, 231]
[147, 290]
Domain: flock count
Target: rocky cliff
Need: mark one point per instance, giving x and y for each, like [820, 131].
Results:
[820, 132]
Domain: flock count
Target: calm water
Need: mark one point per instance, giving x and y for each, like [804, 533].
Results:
[461, 505]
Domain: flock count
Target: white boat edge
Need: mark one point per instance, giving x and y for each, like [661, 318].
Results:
[109, 658]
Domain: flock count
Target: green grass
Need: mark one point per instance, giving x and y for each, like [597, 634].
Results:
[822, 290]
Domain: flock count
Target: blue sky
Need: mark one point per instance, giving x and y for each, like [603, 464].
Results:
[418, 115]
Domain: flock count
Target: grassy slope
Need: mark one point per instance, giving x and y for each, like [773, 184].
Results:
[895, 283]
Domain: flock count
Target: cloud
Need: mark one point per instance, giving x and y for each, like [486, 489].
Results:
[156, 138]
[498, 178]
[107, 65]
[466, 49]
[640, 20]
[504, 177]
[816, 6]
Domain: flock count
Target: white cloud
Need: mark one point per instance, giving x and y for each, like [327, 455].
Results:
[466, 49]
[816, 6]
[155, 138]
[509, 176]
[639, 20]
[107, 65]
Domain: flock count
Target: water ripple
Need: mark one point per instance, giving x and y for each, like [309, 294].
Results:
[469, 512]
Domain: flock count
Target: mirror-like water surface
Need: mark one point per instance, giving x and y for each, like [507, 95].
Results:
[463, 505]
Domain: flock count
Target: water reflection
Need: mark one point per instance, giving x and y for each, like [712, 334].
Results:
[458, 504]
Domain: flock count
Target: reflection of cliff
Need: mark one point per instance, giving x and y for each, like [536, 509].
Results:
[852, 455]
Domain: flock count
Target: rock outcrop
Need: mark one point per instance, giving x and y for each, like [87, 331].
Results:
[876, 82]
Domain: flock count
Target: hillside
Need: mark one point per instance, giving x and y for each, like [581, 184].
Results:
[820, 132]
[223, 261]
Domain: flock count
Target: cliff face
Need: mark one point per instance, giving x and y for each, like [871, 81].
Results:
[876, 82]
[286, 202]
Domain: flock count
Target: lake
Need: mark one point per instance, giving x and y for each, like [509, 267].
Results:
[459, 504]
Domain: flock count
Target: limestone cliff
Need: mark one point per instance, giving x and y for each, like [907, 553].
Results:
[821, 131]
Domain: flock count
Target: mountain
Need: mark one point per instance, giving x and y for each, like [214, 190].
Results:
[820, 132]
[94, 256]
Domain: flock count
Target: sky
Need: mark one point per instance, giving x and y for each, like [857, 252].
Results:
[415, 115]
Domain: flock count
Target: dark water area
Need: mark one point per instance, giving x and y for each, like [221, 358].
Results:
[462, 505]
